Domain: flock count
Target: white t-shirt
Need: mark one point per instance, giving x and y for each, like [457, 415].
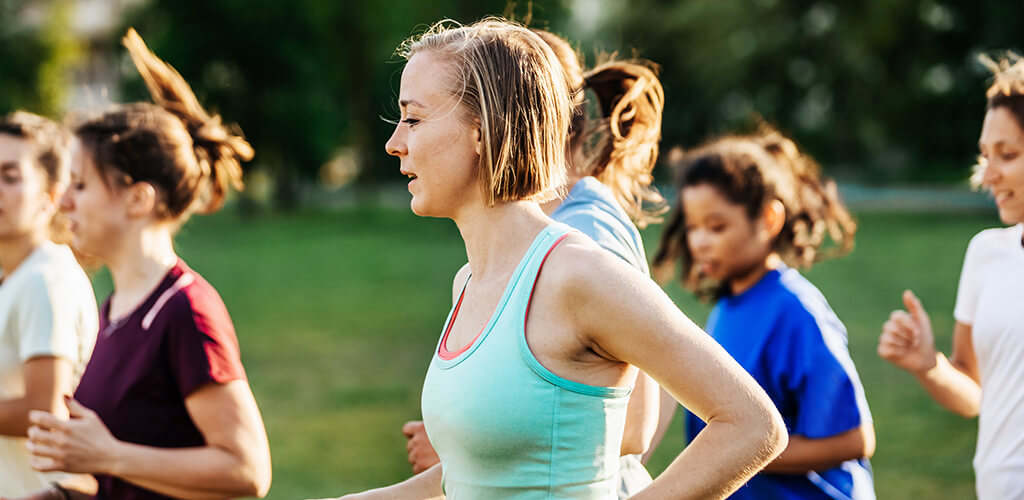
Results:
[47, 308]
[991, 300]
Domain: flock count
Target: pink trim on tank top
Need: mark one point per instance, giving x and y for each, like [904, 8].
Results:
[442, 350]
[541, 266]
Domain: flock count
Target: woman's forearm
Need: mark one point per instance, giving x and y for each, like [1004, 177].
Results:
[951, 387]
[212, 473]
[725, 455]
[803, 454]
[641, 416]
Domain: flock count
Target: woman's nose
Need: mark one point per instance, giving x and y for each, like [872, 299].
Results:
[65, 202]
[396, 144]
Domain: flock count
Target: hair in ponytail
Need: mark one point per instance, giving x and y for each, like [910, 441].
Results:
[621, 145]
[626, 137]
[751, 171]
[175, 145]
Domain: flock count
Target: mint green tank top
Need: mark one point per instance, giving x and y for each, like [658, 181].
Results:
[505, 426]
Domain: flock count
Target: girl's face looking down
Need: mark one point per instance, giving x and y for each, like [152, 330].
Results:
[437, 143]
[1002, 147]
[725, 243]
[26, 205]
[97, 213]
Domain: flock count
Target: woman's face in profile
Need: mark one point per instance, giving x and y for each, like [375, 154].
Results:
[437, 143]
[1002, 147]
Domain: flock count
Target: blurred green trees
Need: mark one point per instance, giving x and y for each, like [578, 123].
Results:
[877, 90]
[889, 89]
[302, 77]
[37, 50]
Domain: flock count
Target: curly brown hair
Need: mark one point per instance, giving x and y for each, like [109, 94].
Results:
[752, 170]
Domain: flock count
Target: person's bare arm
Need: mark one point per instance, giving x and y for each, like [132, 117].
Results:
[641, 416]
[234, 462]
[744, 431]
[803, 454]
[47, 380]
[423, 486]
[908, 342]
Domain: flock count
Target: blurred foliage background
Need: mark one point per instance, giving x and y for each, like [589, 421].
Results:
[880, 91]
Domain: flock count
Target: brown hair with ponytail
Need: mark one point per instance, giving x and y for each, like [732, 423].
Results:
[751, 171]
[621, 145]
[175, 145]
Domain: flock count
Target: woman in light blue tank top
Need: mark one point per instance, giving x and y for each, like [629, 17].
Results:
[607, 191]
[525, 396]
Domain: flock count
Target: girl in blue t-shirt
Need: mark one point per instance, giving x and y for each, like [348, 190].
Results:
[748, 207]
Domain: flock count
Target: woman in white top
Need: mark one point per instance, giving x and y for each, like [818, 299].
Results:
[47, 308]
[983, 375]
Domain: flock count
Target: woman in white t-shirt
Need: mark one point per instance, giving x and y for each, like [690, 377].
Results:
[48, 319]
[983, 375]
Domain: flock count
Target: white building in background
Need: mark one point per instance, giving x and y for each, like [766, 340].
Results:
[93, 81]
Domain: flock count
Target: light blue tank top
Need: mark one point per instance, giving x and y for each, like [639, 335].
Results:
[505, 426]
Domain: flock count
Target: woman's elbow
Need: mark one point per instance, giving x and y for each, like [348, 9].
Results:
[768, 434]
[254, 476]
[261, 480]
[868, 436]
[777, 437]
[261, 488]
[255, 485]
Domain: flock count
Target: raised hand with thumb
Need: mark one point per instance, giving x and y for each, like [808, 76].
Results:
[907, 340]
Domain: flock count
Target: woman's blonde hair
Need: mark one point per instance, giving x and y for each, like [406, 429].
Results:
[511, 81]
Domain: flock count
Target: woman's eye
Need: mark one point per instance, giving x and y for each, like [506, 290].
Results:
[410, 121]
[1010, 156]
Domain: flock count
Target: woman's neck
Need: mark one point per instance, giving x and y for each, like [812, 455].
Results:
[139, 267]
[14, 251]
[750, 278]
[497, 236]
[550, 206]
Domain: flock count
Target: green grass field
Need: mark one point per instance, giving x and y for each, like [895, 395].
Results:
[337, 314]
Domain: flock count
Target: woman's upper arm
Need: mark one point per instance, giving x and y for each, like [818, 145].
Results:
[47, 380]
[629, 317]
[228, 418]
[963, 356]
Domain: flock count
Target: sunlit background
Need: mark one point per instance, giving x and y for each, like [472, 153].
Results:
[338, 292]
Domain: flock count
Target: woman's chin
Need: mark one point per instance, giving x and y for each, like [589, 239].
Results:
[1011, 217]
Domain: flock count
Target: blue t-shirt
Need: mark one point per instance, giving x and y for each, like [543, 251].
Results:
[783, 332]
[591, 209]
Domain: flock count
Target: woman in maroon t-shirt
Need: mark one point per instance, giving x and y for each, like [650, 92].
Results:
[163, 409]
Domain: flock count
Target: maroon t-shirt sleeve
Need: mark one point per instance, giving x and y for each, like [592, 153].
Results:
[201, 342]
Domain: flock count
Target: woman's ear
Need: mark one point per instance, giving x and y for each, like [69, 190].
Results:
[478, 137]
[774, 217]
[51, 199]
[141, 199]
